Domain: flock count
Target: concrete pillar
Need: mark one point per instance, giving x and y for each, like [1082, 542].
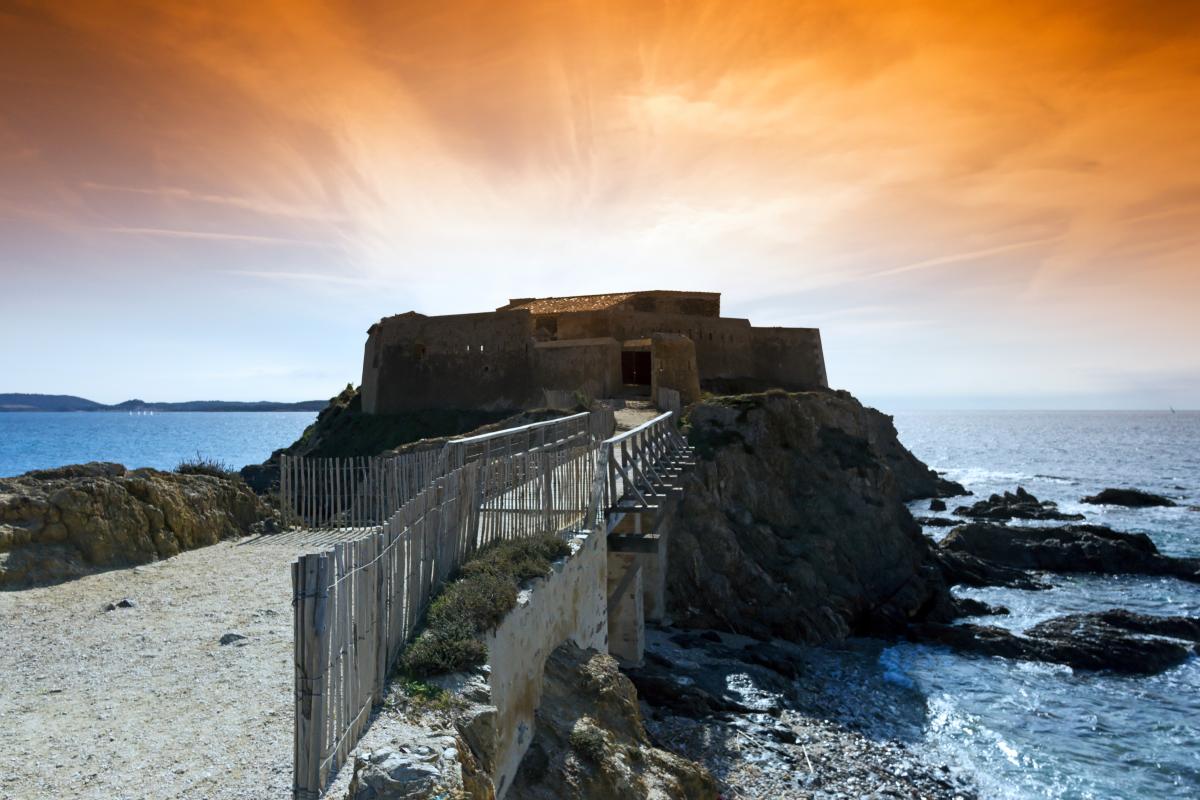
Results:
[626, 617]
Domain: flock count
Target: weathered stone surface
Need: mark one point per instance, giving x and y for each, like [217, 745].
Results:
[1014, 505]
[62, 523]
[1115, 640]
[793, 522]
[1133, 498]
[1069, 548]
[420, 770]
[590, 741]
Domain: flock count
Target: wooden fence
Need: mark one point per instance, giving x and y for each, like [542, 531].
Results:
[357, 605]
[360, 492]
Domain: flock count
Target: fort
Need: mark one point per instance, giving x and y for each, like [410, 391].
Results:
[605, 345]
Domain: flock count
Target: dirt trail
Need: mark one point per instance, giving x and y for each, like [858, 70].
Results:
[145, 702]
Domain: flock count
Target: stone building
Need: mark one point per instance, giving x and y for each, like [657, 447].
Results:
[605, 345]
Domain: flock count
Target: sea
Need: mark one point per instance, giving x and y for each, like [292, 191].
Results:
[1026, 730]
[1015, 729]
[39, 440]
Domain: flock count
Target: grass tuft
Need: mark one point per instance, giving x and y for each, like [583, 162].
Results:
[200, 465]
[485, 591]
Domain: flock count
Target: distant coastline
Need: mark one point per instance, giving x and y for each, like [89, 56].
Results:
[29, 403]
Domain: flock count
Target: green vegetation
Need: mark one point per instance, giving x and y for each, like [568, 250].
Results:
[199, 465]
[587, 740]
[343, 430]
[485, 591]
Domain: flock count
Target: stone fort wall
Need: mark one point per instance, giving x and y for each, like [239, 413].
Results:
[508, 358]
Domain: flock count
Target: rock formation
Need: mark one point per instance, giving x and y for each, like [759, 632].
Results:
[590, 741]
[62, 523]
[1115, 640]
[1015, 505]
[1069, 548]
[793, 522]
[1133, 498]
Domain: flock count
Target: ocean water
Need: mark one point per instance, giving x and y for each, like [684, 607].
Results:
[39, 440]
[1044, 731]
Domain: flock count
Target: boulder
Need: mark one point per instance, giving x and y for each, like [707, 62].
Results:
[1114, 640]
[1015, 505]
[793, 522]
[937, 504]
[1069, 548]
[63, 523]
[1131, 498]
[425, 769]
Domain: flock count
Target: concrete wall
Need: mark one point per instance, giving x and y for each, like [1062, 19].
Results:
[460, 361]
[590, 366]
[673, 363]
[789, 358]
[568, 605]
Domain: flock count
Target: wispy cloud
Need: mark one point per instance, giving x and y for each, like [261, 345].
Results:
[962, 257]
[222, 236]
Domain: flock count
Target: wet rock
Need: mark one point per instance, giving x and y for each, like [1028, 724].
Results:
[1015, 505]
[1131, 498]
[937, 522]
[1115, 640]
[125, 603]
[937, 504]
[969, 607]
[1069, 548]
[961, 568]
[232, 638]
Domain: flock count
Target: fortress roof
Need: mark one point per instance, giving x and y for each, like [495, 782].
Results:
[584, 302]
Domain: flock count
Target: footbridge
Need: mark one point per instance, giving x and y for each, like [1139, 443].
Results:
[397, 527]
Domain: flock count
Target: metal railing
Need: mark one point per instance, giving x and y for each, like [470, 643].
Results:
[631, 468]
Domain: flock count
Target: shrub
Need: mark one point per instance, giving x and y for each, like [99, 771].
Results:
[476, 602]
[199, 465]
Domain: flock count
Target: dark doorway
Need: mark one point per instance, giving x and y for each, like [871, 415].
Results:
[635, 367]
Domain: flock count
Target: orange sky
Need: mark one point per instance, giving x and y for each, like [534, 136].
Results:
[992, 203]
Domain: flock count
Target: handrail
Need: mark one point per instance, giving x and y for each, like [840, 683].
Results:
[648, 423]
[479, 437]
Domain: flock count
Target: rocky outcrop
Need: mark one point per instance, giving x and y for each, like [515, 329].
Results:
[1015, 505]
[1132, 498]
[1069, 548]
[793, 522]
[590, 741]
[63, 523]
[1114, 640]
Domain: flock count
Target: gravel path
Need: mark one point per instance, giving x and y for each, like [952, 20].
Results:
[145, 702]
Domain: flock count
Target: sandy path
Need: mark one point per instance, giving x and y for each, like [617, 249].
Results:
[145, 702]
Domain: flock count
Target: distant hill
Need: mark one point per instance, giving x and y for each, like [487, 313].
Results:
[63, 402]
[47, 402]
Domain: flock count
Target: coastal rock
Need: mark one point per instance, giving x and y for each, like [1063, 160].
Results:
[1131, 498]
[937, 504]
[1114, 640]
[590, 741]
[1069, 548]
[793, 524]
[63, 523]
[937, 522]
[1015, 505]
